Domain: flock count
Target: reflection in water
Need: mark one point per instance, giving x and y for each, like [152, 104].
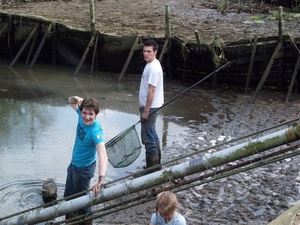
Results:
[38, 126]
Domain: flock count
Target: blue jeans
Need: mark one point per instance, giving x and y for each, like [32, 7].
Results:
[148, 133]
[78, 180]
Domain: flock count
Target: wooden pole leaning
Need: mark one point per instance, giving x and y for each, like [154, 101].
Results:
[34, 30]
[133, 48]
[31, 47]
[94, 53]
[40, 46]
[168, 34]
[274, 56]
[91, 43]
[266, 72]
[293, 79]
[251, 63]
[164, 50]
[3, 29]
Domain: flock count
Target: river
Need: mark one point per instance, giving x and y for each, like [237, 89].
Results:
[38, 131]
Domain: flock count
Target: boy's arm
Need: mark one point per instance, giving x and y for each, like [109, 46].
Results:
[103, 161]
[75, 101]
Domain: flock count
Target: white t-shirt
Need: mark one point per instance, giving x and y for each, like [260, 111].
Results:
[153, 75]
[177, 219]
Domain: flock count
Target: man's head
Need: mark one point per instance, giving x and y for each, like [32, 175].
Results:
[89, 109]
[150, 50]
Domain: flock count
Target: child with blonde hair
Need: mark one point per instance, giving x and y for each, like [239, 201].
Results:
[166, 210]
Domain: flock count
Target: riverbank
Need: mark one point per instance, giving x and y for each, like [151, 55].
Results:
[147, 17]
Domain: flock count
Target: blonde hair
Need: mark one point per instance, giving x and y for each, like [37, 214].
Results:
[167, 201]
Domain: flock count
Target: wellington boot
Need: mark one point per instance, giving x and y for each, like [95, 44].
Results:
[159, 156]
[152, 160]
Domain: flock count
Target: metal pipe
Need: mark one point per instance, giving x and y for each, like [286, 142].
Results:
[197, 165]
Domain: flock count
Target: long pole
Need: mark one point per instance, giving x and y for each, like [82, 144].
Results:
[186, 90]
[179, 171]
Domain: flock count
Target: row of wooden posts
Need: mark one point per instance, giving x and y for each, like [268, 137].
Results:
[93, 43]
[277, 54]
[137, 45]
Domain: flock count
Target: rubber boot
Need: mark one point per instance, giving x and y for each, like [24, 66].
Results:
[159, 156]
[151, 160]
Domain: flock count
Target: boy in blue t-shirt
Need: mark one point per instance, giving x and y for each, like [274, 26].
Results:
[88, 142]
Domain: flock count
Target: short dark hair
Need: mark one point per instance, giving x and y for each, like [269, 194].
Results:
[90, 103]
[151, 43]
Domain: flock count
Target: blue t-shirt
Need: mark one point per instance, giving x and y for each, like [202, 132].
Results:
[87, 137]
[177, 219]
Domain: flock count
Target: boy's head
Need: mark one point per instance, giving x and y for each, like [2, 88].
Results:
[166, 205]
[91, 104]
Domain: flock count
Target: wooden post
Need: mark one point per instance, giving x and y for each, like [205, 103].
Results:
[197, 37]
[251, 63]
[271, 62]
[40, 46]
[239, 6]
[31, 48]
[167, 41]
[94, 54]
[91, 43]
[168, 26]
[11, 38]
[92, 11]
[128, 59]
[24, 45]
[266, 72]
[279, 74]
[280, 24]
[293, 79]
[54, 47]
[163, 50]
[3, 29]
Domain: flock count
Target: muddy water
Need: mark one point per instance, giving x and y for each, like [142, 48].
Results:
[38, 128]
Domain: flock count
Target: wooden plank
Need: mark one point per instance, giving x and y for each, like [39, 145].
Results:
[163, 50]
[264, 77]
[251, 64]
[24, 45]
[94, 53]
[31, 48]
[84, 56]
[293, 79]
[3, 29]
[138, 47]
[197, 37]
[128, 59]
[40, 46]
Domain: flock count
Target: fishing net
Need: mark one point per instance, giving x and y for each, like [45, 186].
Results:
[124, 148]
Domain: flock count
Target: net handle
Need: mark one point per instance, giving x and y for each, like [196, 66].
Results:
[186, 90]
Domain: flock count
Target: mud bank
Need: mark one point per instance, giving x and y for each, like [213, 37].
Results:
[254, 197]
